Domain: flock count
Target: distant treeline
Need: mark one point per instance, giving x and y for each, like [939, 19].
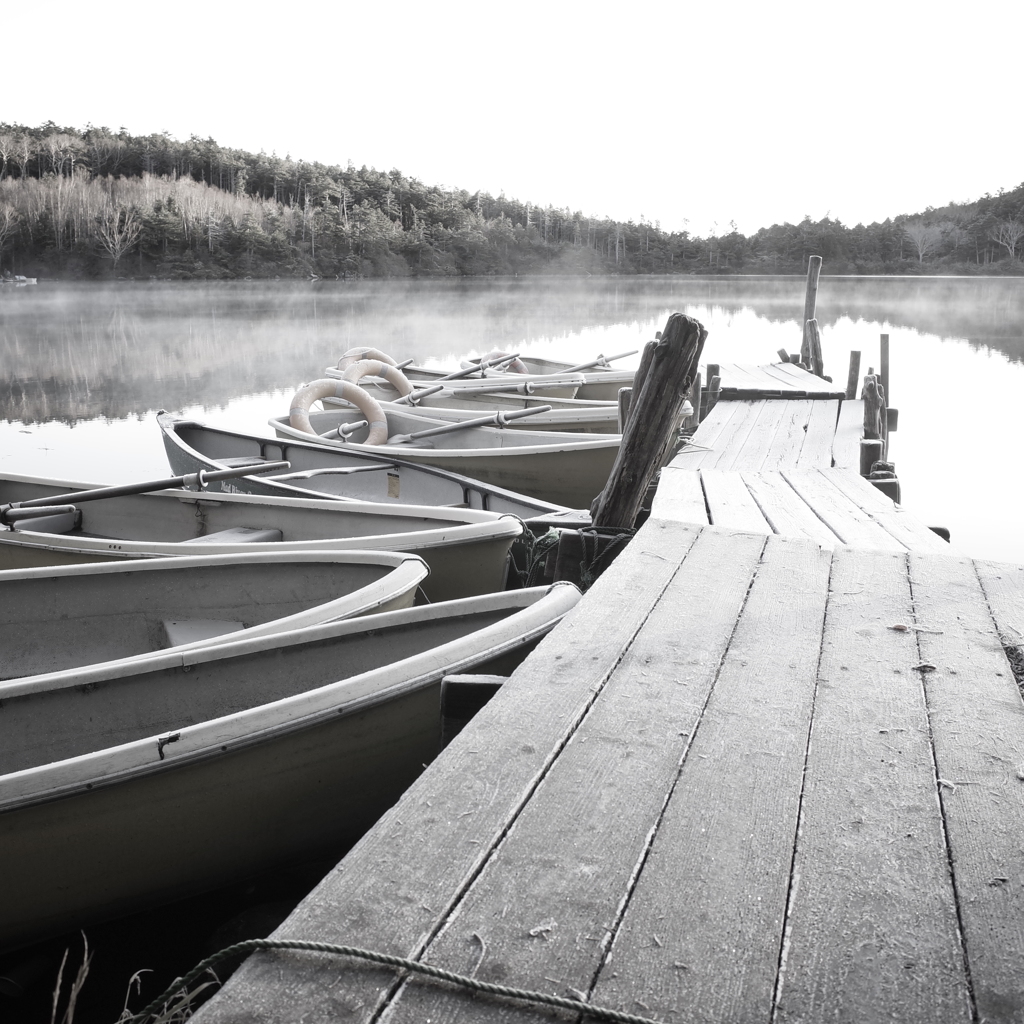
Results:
[93, 203]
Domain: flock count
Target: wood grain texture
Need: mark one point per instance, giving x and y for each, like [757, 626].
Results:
[786, 511]
[653, 425]
[539, 913]
[843, 517]
[977, 720]
[730, 503]
[872, 927]
[680, 497]
[724, 429]
[701, 936]
[776, 437]
[849, 430]
[396, 887]
[822, 419]
[902, 525]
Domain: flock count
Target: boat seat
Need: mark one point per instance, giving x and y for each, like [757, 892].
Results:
[190, 631]
[243, 461]
[63, 522]
[239, 535]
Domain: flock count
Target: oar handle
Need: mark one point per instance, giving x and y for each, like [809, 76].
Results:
[343, 430]
[468, 371]
[11, 515]
[414, 397]
[188, 480]
[495, 419]
[600, 361]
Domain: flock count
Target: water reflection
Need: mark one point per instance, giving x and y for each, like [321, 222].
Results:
[86, 367]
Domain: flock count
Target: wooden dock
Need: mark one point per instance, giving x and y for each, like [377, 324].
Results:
[771, 768]
[749, 778]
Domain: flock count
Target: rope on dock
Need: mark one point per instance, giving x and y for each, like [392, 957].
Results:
[413, 966]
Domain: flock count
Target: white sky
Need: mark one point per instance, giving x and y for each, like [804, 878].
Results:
[690, 114]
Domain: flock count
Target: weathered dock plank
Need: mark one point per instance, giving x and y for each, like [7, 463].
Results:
[849, 431]
[893, 518]
[730, 503]
[543, 906]
[851, 523]
[787, 512]
[977, 721]
[700, 939]
[871, 931]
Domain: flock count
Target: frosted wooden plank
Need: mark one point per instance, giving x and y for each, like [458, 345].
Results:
[538, 913]
[872, 925]
[680, 497]
[701, 935]
[850, 523]
[787, 513]
[977, 719]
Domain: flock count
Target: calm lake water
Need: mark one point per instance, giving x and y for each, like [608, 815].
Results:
[86, 367]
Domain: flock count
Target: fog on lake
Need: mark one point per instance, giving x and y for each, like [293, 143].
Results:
[86, 367]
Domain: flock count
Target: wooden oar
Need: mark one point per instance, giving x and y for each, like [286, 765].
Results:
[495, 419]
[189, 480]
[468, 371]
[526, 387]
[413, 398]
[599, 361]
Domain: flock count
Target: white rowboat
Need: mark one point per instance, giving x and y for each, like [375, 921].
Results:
[136, 790]
[465, 549]
[56, 618]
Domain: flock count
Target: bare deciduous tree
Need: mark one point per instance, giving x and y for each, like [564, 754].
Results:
[925, 238]
[1008, 234]
[119, 228]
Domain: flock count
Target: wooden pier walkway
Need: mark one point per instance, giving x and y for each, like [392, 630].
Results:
[748, 778]
[771, 768]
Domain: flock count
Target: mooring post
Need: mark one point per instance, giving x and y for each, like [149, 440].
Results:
[853, 375]
[883, 369]
[816, 365]
[692, 422]
[652, 424]
[810, 299]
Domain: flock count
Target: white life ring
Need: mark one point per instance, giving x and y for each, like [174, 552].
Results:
[375, 368]
[328, 387]
[516, 366]
[353, 355]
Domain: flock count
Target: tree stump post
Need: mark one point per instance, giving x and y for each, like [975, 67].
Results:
[654, 413]
[810, 300]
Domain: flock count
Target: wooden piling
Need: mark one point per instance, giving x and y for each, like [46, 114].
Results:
[691, 422]
[652, 422]
[816, 364]
[883, 371]
[853, 376]
[810, 300]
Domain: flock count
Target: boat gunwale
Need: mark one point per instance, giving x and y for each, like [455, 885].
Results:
[219, 736]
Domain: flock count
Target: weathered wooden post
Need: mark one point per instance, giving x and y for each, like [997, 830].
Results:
[670, 367]
[853, 376]
[810, 300]
[816, 364]
[652, 421]
[883, 365]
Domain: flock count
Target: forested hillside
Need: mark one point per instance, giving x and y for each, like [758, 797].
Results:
[93, 203]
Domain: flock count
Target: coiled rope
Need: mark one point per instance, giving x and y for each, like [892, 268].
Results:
[412, 966]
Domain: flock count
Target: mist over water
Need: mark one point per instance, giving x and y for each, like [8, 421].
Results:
[86, 367]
